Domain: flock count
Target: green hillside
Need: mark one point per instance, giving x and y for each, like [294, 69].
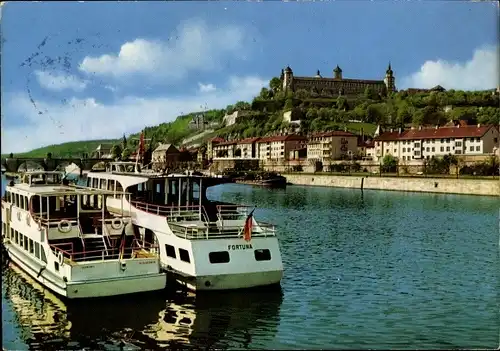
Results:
[317, 112]
[70, 149]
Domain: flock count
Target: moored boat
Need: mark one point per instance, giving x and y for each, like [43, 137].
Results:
[64, 237]
[205, 244]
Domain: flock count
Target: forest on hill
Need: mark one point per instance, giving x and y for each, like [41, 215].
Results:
[317, 111]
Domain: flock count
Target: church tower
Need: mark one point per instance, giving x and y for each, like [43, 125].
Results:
[389, 80]
[337, 73]
[288, 78]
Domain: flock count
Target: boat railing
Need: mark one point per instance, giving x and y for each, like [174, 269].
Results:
[175, 213]
[138, 249]
[205, 231]
[54, 222]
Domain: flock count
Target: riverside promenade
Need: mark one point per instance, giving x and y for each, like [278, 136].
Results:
[484, 187]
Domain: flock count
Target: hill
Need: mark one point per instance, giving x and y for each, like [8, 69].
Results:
[70, 149]
[316, 112]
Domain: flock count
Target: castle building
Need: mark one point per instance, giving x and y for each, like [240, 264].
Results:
[337, 85]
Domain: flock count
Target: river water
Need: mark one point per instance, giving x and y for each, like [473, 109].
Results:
[368, 269]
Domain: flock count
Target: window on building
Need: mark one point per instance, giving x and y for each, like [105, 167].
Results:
[458, 143]
[478, 148]
[441, 148]
[433, 149]
[471, 148]
[447, 148]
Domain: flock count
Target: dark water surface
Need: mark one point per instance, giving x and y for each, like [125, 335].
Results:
[362, 270]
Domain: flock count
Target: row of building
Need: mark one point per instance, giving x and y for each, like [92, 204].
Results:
[413, 144]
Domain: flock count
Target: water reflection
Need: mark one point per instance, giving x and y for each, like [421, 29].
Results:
[221, 320]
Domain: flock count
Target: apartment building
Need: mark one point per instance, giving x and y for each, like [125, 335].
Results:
[424, 143]
[331, 145]
[280, 147]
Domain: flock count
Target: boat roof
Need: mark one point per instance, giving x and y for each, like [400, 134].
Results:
[57, 190]
[133, 178]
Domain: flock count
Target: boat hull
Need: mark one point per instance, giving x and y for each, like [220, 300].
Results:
[270, 183]
[232, 281]
[87, 288]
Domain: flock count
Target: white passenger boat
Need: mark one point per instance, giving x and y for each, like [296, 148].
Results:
[207, 245]
[66, 240]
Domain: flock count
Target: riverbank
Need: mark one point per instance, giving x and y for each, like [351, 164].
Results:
[484, 187]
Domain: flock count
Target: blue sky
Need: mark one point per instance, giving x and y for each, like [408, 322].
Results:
[75, 71]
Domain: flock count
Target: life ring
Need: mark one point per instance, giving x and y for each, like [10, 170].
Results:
[19, 216]
[117, 223]
[60, 258]
[64, 226]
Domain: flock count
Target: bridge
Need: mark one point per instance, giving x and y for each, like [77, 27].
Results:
[16, 164]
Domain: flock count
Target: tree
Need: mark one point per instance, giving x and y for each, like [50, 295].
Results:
[124, 142]
[264, 94]
[389, 164]
[116, 152]
[275, 84]
[125, 154]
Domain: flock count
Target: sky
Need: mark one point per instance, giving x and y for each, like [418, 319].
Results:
[96, 70]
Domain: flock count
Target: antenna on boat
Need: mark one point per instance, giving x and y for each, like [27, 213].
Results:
[140, 152]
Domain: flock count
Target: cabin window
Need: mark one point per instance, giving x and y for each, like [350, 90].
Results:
[56, 266]
[95, 183]
[37, 250]
[26, 242]
[111, 185]
[8, 197]
[219, 257]
[104, 184]
[31, 246]
[184, 255]
[196, 192]
[16, 237]
[17, 202]
[262, 255]
[26, 203]
[170, 250]
[119, 190]
[42, 254]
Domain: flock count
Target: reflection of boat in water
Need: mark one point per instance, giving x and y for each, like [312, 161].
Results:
[150, 321]
[226, 319]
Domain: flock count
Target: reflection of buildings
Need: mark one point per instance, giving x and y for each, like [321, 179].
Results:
[145, 321]
[39, 314]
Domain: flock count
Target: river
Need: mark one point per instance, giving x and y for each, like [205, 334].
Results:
[368, 269]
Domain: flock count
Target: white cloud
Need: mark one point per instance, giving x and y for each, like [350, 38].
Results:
[478, 73]
[58, 81]
[85, 119]
[206, 88]
[194, 46]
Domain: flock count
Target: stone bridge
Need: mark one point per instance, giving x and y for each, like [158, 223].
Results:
[14, 164]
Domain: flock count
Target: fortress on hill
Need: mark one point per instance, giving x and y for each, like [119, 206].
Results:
[337, 85]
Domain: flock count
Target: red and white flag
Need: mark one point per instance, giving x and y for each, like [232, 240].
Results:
[247, 229]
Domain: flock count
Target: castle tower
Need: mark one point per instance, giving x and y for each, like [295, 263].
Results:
[288, 78]
[337, 73]
[389, 80]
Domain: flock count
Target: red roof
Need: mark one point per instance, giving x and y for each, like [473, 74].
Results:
[232, 142]
[447, 132]
[248, 140]
[435, 133]
[334, 133]
[290, 137]
[390, 136]
[217, 140]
